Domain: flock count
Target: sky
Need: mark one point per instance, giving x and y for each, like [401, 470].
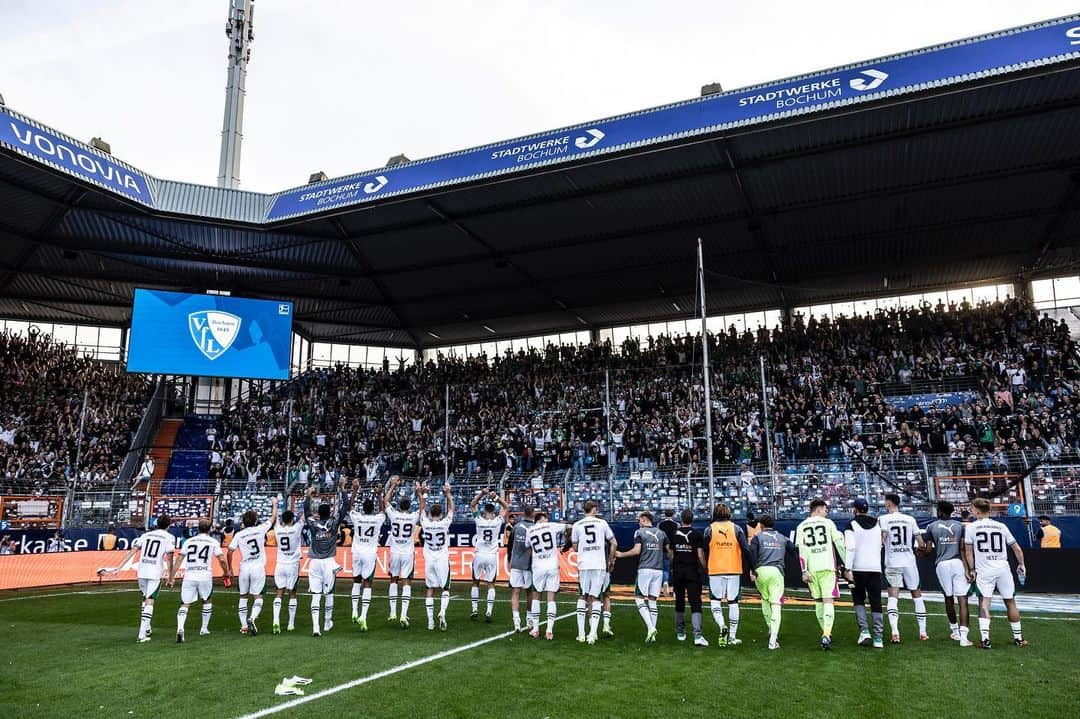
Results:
[343, 85]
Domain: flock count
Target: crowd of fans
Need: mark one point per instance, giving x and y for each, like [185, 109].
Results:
[42, 385]
[828, 383]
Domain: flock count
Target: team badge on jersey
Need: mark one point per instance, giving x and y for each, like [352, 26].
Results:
[213, 331]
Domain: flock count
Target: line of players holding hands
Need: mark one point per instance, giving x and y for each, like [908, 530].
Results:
[965, 555]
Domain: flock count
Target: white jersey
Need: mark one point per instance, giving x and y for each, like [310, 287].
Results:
[402, 524]
[863, 547]
[366, 529]
[899, 531]
[591, 535]
[288, 537]
[436, 536]
[990, 540]
[198, 552]
[543, 540]
[251, 541]
[155, 545]
[486, 539]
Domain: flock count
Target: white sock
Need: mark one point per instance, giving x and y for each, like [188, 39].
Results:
[717, 610]
[581, 611]
[964, 631]
[393, 600]
[365, 603]
[406, 595]
[534, 614]
[256, 608]
[181, 619]
[146, 617]
[1015, 626]
[355, 597]
[594, 618]
[733, 619]
[607, 621]
[429, 605]
[643, 610]
[444, 603]
[292, 611]
[490, 601]
[328, 612]
[552, 608]
[316, 604]
[207, 610]
[242, 610]
[920, 614]
[275, 610]
[892, 606]
[654, 613]
[474, 594]
[516, 616]
[984, 627]
[953, 627]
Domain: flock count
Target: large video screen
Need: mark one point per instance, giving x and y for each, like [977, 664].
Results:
[209, 335]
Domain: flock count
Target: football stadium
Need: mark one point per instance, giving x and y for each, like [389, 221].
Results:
[757, 403]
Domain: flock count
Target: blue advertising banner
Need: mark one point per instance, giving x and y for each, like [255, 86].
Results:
[209, 335]
[921, 70]
[931, 401]
[73, 158]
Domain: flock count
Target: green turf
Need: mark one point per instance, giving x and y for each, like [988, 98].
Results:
[75, 655]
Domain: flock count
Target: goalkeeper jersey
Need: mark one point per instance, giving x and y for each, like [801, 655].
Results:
[816, 538]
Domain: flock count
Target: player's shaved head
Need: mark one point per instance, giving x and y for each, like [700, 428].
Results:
[250, 519]
[368, 507]
[721, 513]
[204, 526]
[164, 521]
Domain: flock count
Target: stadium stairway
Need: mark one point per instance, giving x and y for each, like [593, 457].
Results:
[1071, 315]
[161, 452]
[189, 465]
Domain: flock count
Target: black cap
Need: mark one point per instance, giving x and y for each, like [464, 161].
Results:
[861, 505]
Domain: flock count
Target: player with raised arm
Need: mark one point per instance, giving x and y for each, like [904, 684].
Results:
[946, 535]
[650, 544]
[403, 523]
[322, 554]
[900, 534]
[521, 572]
[816, 537]
[864, 544]
[198, 582]
[542, 540]
[435, 526]
[288, 534]
[367, 526]
[155, 550]
[768, 553]
[595, 545]
[985, 550]
[485, 564]
[725, 549]
[250, 541]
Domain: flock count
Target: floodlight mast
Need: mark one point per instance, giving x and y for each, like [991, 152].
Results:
[240, 29]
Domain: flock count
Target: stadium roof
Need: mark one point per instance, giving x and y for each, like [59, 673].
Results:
[953, 164]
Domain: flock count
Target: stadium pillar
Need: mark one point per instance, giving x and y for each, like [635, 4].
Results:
[768, 433]
[705, 374]
[446, 439]
[1022, 289]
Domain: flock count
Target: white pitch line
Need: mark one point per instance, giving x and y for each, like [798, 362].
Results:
[380, 675]
[67, 594]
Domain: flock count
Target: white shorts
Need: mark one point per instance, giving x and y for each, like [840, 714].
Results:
[322, 573]
[546, 581]
[902, 577]
[649, 582]
[593, 582]
[1001, 581]
[149, 587]
[520, 579]
[252, 578]
[725, 586]
[953, 578]
[437, 572]
[193, 590]
[401, 566]
[287, 576]
[363, 566]
[485, 567]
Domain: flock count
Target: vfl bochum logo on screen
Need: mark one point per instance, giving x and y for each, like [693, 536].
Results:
[213, 331]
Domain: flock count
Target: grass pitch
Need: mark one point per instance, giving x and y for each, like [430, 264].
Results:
[72, 652]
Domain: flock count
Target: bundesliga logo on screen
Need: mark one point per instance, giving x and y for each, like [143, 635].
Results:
[213, 331]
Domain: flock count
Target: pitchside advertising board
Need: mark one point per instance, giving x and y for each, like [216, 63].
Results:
[959, 62]
[209, 335]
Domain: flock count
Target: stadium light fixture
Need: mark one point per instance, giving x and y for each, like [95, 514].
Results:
[435, 335]
[98, 144]
[581, 319]
[713, 88]
[489, 329]
[676, 306]
[319, 176]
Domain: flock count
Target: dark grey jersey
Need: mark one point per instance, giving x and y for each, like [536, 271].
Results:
[947, 536]
[324, 532]
[520, 558]
[769, 549]
[653, 544]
